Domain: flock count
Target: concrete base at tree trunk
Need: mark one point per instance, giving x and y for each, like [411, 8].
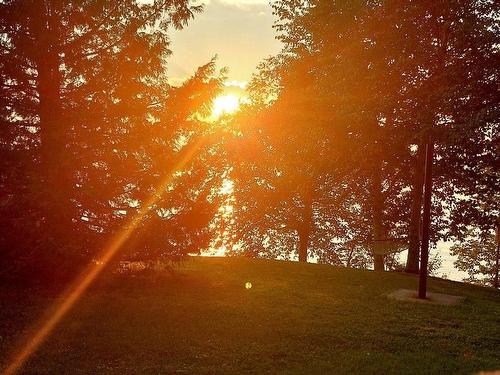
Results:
[433, 298]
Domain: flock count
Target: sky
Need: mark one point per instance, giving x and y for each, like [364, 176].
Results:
[239, 32]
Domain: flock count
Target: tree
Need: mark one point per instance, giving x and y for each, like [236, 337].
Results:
[478, 257]
[282, 175]
[398, 73]
[355, 98]
[89, 122]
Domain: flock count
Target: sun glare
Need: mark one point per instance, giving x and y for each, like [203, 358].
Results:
[225, 104]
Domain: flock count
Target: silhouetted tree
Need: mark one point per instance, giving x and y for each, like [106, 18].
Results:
[89, 123]
[479, 258]
[375, 80]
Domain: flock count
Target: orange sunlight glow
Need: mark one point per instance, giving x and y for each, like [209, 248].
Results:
[225, 104]
[81, 284]
[224, 241]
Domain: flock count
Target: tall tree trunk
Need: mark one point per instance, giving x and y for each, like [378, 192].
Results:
[426, 219]
[305, 227]
[55, 163]
[378, 233]
[49, 82]
[51, 133]
[496, 281]
[412, 260]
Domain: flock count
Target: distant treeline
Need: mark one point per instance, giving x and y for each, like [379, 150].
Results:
[326, 161]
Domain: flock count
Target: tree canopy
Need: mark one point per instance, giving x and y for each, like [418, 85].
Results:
[324, 163]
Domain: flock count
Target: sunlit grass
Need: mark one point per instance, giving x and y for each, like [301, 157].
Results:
[40, 332]
[295, 319]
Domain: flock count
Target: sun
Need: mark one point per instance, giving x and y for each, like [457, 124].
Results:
[225, 104]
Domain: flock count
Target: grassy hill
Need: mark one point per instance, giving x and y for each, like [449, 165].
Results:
[296, 319]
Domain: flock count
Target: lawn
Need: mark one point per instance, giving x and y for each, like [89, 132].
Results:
[295, 319]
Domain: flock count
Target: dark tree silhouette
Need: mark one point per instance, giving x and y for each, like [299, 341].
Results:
[89, 123]
[372, 81]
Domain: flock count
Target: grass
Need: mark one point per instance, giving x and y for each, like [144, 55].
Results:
[296, 319]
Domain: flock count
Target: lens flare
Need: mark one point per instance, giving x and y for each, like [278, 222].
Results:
[225, 104]
[79, 286]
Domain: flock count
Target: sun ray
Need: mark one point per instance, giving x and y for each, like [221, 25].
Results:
[79, 286]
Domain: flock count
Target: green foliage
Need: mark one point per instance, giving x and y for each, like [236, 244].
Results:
[90, 128]
[479, 258]
[324, 160]
[341, 112]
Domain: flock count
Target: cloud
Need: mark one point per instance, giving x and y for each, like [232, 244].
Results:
[240, 84]
[234, 90]
[242, 4]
